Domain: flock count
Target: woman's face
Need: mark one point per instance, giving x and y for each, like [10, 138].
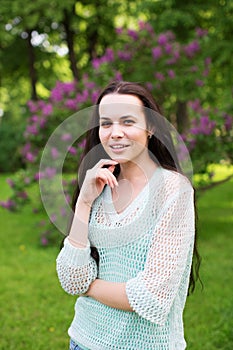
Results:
[123, 131]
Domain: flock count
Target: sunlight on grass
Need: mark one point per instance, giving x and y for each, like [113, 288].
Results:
[218, 172]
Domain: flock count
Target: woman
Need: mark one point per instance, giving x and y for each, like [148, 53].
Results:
[137, 209]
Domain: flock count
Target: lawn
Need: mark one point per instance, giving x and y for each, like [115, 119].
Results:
[35, 313]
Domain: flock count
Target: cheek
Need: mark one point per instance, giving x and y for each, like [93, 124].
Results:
[103, 135]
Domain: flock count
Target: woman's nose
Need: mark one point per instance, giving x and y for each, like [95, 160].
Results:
[117, 130]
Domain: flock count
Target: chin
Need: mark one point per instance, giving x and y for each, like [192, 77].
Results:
[120, 159]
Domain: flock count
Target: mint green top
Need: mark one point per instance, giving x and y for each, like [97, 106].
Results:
[149, 246]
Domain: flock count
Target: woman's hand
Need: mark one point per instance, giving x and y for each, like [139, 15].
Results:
[95, 180]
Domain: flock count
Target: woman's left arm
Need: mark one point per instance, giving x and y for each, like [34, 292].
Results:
[112, 294]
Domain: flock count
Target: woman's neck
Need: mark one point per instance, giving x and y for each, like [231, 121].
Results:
[135, 173]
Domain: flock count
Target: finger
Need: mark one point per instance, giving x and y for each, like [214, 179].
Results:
[105, 162]
[108, 176]
[111, 168]
[112, 179]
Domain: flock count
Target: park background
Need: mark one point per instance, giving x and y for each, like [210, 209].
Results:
[54, 59]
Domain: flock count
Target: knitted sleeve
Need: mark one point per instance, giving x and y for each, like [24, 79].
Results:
[76, 268]
[152, 292]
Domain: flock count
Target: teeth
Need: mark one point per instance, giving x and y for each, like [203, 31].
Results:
[117, 146]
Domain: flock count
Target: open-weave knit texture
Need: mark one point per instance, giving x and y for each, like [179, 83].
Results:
[149, 246]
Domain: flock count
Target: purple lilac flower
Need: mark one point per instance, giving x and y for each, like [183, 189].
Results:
[109, 54]
[82, 144]
[72, 150]
[32, 129]
[174, 59]
[204, 126]
[63, 211]
[9, 204]
[162, 39]
[47, 109]
[94, 96]
[32, 106]
[124, 56]
[26, 148]
[192, 48]
[192, 144]
[168, 48]
[68, 87]
[50, 172]
[44, 241]
[157, 52]
[182, 152]
[42, 122]
[30, 157]
[27, 180]
[96, 63]
[22, 195]
[71, 104]
[53, 218]
[195, 105]
[119, 30]
[118, 76]
[34, 118]
[149, 86]
[201, 32]
[66, 137]
[205, 72]
[228, 123]
[56, 93]
[193, 69]
[54, 153]
[68, 198]
[199, 82]
[85, 95]
[10, 183]
[171, 73]
[208, 61]
[73, 182]
[41, 104]
[142, 25]
[159, 76]
[39, 175]
[146, 26]
[89, 84]
[133, 34]
[42, 222]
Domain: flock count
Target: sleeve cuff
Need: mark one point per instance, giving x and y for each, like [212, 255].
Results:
[144, 303]
[77, 256]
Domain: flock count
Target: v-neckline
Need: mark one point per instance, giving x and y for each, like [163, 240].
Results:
[124, 212]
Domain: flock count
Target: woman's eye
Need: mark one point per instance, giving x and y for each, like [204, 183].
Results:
[128, 122]
[105, 124]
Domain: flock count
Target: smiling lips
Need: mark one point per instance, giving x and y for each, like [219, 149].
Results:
[118, 147]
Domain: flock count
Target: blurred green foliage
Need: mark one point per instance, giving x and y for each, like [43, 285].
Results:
[11, 140]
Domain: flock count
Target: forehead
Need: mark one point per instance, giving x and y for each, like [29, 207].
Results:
[115, 105]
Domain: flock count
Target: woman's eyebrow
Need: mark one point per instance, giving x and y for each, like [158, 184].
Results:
[123, 117]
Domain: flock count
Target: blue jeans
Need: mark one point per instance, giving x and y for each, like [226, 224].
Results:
[74, 346]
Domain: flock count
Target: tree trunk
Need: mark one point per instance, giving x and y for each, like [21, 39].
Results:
[32, 70]
[182, 118]
[70, 42]
[92, 33]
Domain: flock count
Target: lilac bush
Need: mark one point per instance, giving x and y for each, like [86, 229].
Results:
[171, 70]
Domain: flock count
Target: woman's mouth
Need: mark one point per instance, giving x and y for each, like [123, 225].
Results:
[118, 147]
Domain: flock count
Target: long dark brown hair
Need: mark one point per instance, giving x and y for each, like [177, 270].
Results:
[160, 146]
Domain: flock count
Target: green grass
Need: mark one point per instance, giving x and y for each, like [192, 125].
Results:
[35, 313]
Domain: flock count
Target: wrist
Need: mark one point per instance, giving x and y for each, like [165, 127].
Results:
[83, 202]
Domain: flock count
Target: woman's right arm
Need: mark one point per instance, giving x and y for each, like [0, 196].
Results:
[76, 268]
